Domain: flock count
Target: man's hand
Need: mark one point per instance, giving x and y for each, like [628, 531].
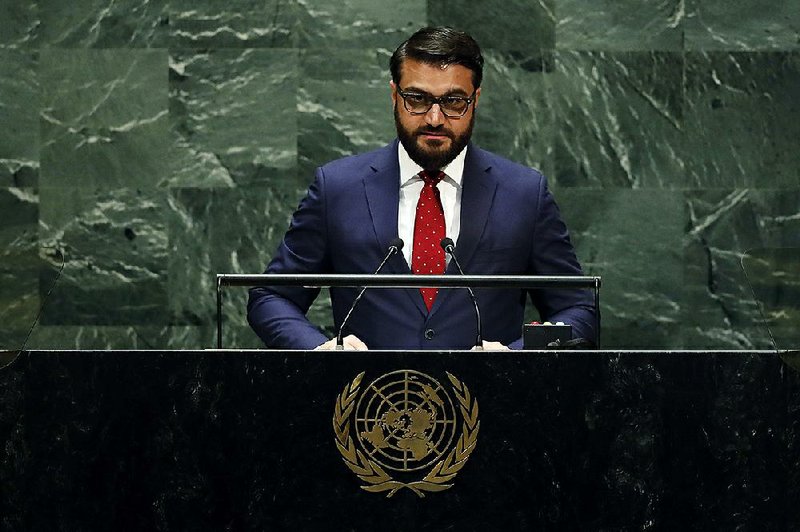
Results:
[350, 342]
[493, 346]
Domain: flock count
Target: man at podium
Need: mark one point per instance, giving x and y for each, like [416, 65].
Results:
[429, 184]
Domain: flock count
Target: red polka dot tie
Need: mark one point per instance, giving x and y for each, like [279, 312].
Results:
[429, 230]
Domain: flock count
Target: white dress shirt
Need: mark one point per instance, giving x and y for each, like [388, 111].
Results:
[410, 188]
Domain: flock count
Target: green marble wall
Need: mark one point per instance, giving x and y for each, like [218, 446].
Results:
[159, 142]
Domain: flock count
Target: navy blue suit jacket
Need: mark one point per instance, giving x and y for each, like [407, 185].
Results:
[510, 224]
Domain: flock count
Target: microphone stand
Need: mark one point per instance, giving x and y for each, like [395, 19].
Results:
[395, 246]
[450, 248]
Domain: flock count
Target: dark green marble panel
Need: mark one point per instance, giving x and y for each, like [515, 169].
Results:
[633, 239]
[742, 25]
[233, 117]
[19, 22]
[222, 231]
[774, 274]
[513, 117]
[19, 263]
[620, 25]
[344, 105]
[104, 121]
[120, 337]
[236, 24]
[743, 119]
[103, 24]
[19, 114]
[19, 303]
[18, 228]
[358, 23]
[722, 227]
[620, 119]
[115, 247]
[506, 25]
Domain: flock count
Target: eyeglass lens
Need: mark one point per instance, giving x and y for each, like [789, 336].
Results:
[421, 103]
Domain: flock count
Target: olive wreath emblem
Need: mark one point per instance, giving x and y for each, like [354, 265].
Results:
[376, 478]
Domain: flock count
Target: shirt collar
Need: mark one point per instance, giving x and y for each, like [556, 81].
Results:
[409, 170]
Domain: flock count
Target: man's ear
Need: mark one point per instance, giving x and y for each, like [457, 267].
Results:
[477, 96]
[394, 92]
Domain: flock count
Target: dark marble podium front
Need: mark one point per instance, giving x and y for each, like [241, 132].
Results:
[243, 440]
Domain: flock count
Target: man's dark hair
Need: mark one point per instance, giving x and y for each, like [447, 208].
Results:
[442, 47]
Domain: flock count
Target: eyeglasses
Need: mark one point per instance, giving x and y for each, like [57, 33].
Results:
[419, 103]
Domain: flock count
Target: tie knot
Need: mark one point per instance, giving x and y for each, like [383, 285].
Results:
[432, 178]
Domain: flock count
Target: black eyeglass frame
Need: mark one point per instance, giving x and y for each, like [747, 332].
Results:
[434, 100]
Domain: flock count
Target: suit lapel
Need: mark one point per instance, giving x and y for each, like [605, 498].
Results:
[383, 195]
[382, 188]
[477, 195]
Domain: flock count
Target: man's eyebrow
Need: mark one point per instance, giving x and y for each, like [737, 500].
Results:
[453, 92]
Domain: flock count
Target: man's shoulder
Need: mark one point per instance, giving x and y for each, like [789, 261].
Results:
[503, 168]
[378, 159]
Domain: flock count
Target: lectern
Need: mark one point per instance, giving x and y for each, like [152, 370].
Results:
[260, 440]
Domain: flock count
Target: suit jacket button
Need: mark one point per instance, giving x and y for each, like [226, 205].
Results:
[429, 334]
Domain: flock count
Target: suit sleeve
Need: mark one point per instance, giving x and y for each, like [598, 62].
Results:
[553, 254]
[278, 314]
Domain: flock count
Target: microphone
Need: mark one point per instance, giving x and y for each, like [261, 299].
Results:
[395, 246]
[450, 248]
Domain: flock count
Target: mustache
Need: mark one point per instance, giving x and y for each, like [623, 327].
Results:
[434, 131]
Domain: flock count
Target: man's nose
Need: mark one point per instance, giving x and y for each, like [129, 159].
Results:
[434, 116]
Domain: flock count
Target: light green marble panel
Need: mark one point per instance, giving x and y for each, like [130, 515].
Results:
[344, 105]
[19, 114]
[743, 119]
[633, 240]
[103, 24]
[233, 117]
[207, 24]
[115, 248]
[513, 117]
[19, 23]
[358, 23]
[722, 226]
[104, 118]
[620, 25]
[222, 231]
[742, 25]
[502, 25]
[620, 119]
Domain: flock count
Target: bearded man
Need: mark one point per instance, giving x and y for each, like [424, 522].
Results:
[431, 182]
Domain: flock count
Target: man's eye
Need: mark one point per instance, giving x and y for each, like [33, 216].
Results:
[416, 98]
[452, 100]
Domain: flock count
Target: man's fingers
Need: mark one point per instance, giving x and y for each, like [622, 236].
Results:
[354, 342]
[351, 342]
[494, 346]
[327, 346]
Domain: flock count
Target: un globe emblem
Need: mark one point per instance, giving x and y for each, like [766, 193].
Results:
[408, 423]
[405, 420]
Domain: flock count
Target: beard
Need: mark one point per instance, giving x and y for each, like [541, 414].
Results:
[432, 157]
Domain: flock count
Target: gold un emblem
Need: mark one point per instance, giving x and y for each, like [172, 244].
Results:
[405, 422]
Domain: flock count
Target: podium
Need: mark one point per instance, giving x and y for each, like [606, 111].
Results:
[247, 440]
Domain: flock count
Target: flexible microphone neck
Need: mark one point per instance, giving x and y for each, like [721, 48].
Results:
[450, 248]
[395, 246]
